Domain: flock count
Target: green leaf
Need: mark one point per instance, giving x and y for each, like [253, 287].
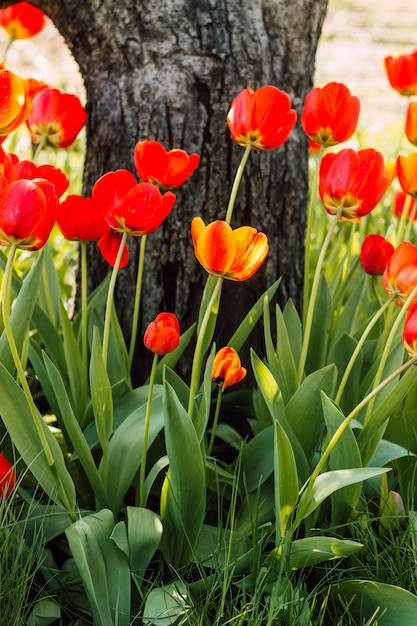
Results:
[344, 455]
[281, 363]
[22, 314]
[144, 532]
[389, 604]
[74, 367]
[274, 401]
[45, 612]
[165, 605]
[257, 460]
[125, 447]
[286, 480]
[103, 567]
[329, 482]
[304, 411]
[17, 417]
[101, 394]
[74, 432]
[294, 329]
[251, 319]
[313, 550]
[320, 329]
[184, 490]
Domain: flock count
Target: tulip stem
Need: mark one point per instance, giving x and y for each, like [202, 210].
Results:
[110, 298]
[215, 421]
[142, 471]
[137, 300]
[307, 242]
[313, 295]
[359, 346]
[308, 486]
[84, 317]
[42, 143]
[236, 183]
[212, 307]
[6, 307]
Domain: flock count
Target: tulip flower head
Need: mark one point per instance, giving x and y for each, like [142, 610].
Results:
[13, 169]
[27, 213]
[409, 337]
[227, 369]
[400, 274]
[375, 253]
[163, 334]
[167, 169]
[353, 181]
[234, 254]
[129, 206]
[262, 118]
[407, 173]
[402, 73]
[7, 477]
[22, 20]
[15, 101]
[56, 118]
[330, 114]
[411, 122]
[109, 245]
[81, 219]
[399, 202]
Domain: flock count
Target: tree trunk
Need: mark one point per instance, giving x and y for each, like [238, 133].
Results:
[168, 71]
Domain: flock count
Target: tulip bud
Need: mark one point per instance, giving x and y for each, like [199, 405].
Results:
[163, 334]
[227, 370]
[375, 252]
[7, 477]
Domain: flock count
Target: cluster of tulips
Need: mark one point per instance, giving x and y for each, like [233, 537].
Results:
[350, 184]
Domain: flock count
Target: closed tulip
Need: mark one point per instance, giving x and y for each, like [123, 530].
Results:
[375, 252]
[227, 369]
[402, 73]
[262, 118]
[411, 122]
[81, 219]
[7, 477]
[163, 334]
[407, 173]
[330, 114]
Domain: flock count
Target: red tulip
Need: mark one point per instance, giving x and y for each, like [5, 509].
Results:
[22, 20]
[13, 169]
[234, 254]
[409, 337]
[128, 206]
[330, 114]
[352, 181]
[15, 101]
[411, 122]
[375, 252]
[7, 477]
[400, 274]
[399, 201]
[227, 370]
[109, 245]
[167, 169]
[407, 173]
[27, 213]
[262, 118]
[56, 118]
[80, 218]
[402, 73]
[163, 334]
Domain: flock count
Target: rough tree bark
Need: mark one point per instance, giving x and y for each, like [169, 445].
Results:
[168, 70]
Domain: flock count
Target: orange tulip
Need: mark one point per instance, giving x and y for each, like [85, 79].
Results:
[7, 477]
[411, 122]
[330, 114]
[409, 337]
[262, 118]
[227, 370]
[167, 169]
[375, 252]
[234, 254]
[22, 20]
[56, 118]
[402, 73]
[407, 173]
[163, 334]
[15, 101]
[400, 274]
[352, 181]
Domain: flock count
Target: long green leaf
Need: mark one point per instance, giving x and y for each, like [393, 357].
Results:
[103, 567]
[286, 481]
[101, 394]
[77, 373]
[184, 491]
[17, 417]
[313, 550]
